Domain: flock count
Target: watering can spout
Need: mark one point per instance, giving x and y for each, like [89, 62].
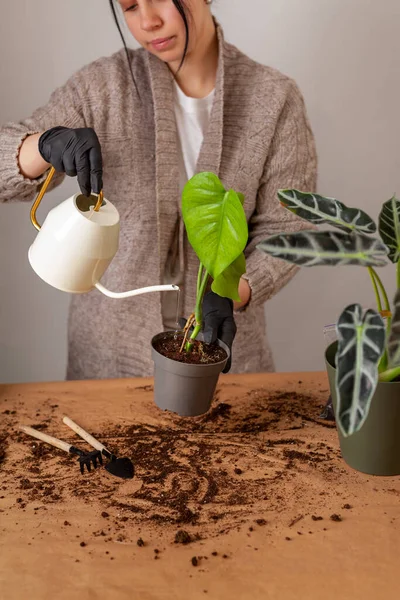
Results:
[77, 242]
[144, 290]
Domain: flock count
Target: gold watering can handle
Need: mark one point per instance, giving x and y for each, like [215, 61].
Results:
[42, 192]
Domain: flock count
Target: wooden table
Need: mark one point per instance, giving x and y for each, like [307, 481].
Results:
[258, 484]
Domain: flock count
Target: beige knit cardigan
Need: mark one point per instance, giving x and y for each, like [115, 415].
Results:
[259, 140]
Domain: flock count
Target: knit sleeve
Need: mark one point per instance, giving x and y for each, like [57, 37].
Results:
[291, 163]
[63, 108]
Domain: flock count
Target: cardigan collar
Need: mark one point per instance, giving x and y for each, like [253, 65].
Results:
[166, 144]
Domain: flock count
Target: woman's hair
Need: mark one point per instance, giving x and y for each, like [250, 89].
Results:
[183, 11]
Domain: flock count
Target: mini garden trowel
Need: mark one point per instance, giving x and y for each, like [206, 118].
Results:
[120, 467]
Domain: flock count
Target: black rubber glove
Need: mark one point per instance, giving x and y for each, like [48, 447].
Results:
[76, 152]
[218, 322]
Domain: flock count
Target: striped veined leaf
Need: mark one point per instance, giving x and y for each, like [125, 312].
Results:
[320, 209]
[361, 343]
[394, 337]
[389, 227]
[329, 248]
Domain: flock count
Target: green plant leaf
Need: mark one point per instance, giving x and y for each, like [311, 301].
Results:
[227, 284]
[389, 227]
[394, 336]
[319, 209]
[215, 222]
[329, 248]
[361, 342]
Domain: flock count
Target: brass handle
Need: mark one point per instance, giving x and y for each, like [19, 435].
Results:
[42, 192]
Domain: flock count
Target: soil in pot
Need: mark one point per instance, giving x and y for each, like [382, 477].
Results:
[201, 354]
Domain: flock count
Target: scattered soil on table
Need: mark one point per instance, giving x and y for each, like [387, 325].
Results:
[183, 537]
[201, 353]
[336, 518]
[3, 446]
[239, 464]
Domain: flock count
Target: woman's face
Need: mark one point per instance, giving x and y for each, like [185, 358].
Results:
[159, 28]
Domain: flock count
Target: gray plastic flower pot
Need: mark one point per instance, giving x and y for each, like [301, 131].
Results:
[375, 449]
[182, 388]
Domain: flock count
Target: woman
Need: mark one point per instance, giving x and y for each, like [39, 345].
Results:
[143, 122]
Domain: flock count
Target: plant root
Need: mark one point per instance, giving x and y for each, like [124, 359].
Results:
[186, 329]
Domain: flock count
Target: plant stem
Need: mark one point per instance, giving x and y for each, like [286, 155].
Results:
[382, 289]
[398, 274]
[202, 280]
[199, 305]
[199, 278]
[378, 286]
[376, 290]
[390, 375]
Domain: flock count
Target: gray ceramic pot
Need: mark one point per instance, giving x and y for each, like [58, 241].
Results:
[185, 389]
[375, 449]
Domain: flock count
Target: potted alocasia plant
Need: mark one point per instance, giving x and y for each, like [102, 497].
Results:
[364, 364]
[186, 369]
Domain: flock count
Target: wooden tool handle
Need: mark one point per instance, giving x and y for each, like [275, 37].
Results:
[84, 434]
[46, 438]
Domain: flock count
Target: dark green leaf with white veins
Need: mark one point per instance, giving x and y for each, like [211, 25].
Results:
[215, 222]
[394, 336]
[227, 284]
[389, 227]
[361, 342]
[326, 248]
[320, 209]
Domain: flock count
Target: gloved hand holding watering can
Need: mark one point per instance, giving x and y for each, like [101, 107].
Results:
[77, 153]
[80, 236]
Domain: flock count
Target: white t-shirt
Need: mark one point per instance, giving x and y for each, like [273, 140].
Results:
[192, 117]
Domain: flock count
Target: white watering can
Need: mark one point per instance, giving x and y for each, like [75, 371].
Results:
[76, 244]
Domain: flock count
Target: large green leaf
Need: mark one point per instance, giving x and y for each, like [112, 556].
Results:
[389, 227]
[317, 248]
[394, 337]
[361, 342]
[319, 209]
[241, 197]
[215, 222]
[227, 284]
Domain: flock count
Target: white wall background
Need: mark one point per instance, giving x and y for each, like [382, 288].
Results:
[345, 56]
